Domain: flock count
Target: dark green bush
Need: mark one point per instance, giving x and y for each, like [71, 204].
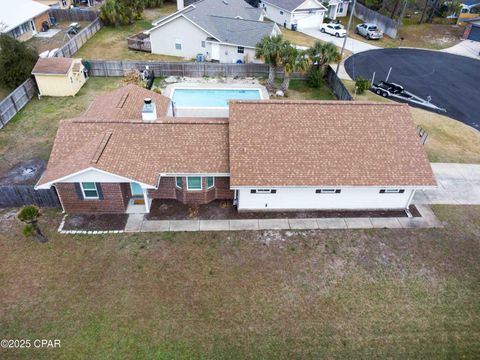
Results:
[362, 84]
[315, 78]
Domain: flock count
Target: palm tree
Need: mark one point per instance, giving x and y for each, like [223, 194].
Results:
[29, 215]
[323, 53]
[293, 60]
[114, 12]
[269, 49]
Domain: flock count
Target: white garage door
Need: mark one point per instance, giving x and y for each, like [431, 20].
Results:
[309, 21]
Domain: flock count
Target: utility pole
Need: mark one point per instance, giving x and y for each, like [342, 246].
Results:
[346, 35]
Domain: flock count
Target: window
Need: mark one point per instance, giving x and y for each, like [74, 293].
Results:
[203, 44]
[89, 190]
[179, 182]
[392, 191]
[64, 3]
[263, 191]
[194, 183]
[328, 191]
[178, 45]
[210, 182]
[240, 49]
[281, 12]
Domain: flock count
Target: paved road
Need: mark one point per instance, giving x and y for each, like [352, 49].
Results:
[352, 45]
[452, 81]
[457, 184]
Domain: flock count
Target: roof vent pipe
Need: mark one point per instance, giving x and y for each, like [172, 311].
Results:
[149, 110]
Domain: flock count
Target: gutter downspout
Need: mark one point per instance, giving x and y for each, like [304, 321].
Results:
[409, 214]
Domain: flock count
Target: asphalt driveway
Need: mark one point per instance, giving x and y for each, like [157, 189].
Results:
[452, 81]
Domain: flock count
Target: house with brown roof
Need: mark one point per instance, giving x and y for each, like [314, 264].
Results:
[125, 151]
[59, 76]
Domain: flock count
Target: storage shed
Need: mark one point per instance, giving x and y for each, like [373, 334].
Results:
[59, 76]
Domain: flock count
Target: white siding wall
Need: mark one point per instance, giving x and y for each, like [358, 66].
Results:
[306, 198]
[190, 36]
[275, 14]
[229, 54]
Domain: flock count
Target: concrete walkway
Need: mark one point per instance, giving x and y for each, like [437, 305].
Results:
[353, 45]
[468, 48]
[458, 184]
[138, 223]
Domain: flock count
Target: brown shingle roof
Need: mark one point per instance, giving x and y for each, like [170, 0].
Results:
[138, 151]
[52, 66]
[317, 143]
[125, 103]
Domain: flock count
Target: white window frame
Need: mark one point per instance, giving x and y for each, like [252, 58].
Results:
[240, 48]
[176, 184]
[213, 182]
[328, 191]
[178, 42]
[203, 43]
[90, 197]
[392, 191]
[201, 183]
[263, 191]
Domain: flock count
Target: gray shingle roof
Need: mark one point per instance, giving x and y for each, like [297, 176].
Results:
[288, 5]
[236, 31]
[230, 21]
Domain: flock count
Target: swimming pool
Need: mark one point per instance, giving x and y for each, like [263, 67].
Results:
[211, 98]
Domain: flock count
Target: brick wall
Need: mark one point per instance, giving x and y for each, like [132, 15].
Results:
[114, 201]
[40, 19]
[168, 190]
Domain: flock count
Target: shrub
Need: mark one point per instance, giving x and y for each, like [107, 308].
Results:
[315, 78]
[16, 61]
[28, 214]
[362, 84]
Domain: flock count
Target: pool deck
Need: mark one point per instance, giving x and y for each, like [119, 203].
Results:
[209, 112]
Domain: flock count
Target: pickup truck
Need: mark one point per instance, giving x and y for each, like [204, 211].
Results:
[369, 31]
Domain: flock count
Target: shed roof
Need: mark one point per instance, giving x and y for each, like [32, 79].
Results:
[52, 66]
[325, 143]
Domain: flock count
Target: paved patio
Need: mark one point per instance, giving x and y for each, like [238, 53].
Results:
[138, 223]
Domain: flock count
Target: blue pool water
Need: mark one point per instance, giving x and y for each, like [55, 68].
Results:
[203, 98]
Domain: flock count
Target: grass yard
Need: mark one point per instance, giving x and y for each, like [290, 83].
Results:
[434, 36]
[110, 43]
[30, 134]
[300, 91]
[336, 294]
[448, 140]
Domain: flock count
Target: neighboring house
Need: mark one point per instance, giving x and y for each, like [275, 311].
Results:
[472, 31]
[295, 14]
[21, 19]
[337, 8]
[58, 4]
[223, 31]
[269, 155]
[470, 10]
[59, 76]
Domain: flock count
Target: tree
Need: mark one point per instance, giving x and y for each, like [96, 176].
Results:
[29, 215]
[269, 49]
[293, 60]
[322, 54]
[121, 12]
[16, 61]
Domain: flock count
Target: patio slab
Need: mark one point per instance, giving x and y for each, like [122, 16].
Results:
[247, 224]
[214, 225]
[155, 225]
[358, 223]
[331, 223]
[303, 224]
[134, 223]
[385, 223]
[273, 224]
[184, 225]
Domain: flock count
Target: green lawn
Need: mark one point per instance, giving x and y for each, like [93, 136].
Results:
[336, 294]
[29, 135]
[110, 43]
[300, 91]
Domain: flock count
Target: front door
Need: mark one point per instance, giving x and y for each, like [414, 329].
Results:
[136, 189]
[216, 52]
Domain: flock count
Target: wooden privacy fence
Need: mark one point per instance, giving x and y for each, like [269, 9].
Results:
[19, 195]
[341, 92]
[75, 14]
[17, 99]
[384, 23]
[191, 69]
[74, 44]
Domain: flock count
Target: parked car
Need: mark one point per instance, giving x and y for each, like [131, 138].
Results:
[333, 29]
[369, 31]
